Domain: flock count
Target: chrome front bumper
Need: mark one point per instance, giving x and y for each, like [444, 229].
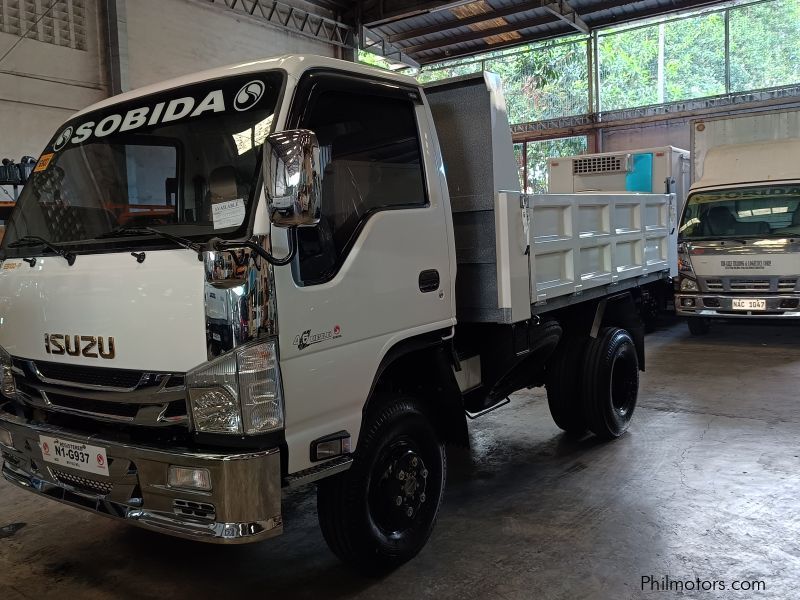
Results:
[718, 305]
[244, 504]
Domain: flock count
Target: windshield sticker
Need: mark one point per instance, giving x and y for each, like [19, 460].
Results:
[745, 264]
[44, 162]
[159, 113]
[250, 93]
[229, 213]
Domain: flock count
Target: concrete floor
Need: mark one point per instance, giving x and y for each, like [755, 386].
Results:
[706, 484]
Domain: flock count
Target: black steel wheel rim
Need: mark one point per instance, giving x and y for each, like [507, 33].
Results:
[624, 371]
[397, 491]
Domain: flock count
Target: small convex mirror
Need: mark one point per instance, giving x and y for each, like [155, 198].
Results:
[292, 178]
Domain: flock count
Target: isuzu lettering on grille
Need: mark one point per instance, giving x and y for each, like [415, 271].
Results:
[90, 346]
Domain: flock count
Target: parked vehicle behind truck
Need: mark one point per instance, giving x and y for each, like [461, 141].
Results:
[664, 169]
[277, 273]
[739, 251]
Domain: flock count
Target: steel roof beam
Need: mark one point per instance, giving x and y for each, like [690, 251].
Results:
[452, 40]
[474, 20]
[531, 37]
[566, 13]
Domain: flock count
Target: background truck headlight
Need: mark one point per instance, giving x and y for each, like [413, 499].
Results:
[8, 387]
[688, 285]
[239, 392]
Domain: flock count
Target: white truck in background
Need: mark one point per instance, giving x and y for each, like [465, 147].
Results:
[663, 169]
[277, 273]
[739, 238]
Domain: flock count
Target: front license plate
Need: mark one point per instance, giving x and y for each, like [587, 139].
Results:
[749, 304]
[75, 455]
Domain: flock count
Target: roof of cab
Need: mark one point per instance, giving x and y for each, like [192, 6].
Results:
[293, 64]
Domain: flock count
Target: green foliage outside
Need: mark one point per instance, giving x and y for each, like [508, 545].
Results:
[765, 45]
[548, 80]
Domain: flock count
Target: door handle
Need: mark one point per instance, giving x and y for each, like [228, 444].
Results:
[429, 280]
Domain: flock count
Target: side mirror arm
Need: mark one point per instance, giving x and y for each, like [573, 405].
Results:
[277, 262]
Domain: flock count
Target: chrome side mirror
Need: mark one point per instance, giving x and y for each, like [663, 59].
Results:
[292, 178]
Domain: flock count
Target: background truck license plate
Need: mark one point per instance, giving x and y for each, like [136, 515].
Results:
[749, 304]
[75, 455]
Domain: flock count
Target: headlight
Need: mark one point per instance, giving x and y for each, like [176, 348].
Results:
[7, 386]
[684, 262]
[238, 393]
[688, 285]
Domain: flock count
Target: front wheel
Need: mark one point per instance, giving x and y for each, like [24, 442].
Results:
[381, 512]
[610, 382]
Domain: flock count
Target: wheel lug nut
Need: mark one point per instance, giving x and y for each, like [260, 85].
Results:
[422, 497]
[409, 511]
[424, 473]
[398, 500]
[401, 475]
[414, 462]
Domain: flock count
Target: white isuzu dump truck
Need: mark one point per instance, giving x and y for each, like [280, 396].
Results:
[738, 243]
[278, 273]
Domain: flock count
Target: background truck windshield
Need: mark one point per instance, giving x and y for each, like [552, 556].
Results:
[183, 161]
[754, 212]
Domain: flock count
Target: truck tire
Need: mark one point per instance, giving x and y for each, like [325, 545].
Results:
[563, 384]
[698, 325]
[610, 382]
[381, 512]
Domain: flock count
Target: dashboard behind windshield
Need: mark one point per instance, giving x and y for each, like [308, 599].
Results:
[183, 161]
[753, 212]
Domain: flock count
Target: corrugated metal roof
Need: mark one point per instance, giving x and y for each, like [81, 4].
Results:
[430, 31]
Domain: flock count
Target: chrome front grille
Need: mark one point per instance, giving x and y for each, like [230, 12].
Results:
[144, 398]
[751, 285]
[83, 484]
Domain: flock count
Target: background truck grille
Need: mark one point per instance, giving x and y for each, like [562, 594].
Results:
[750, 285]
[786, 285]
[714, 285]
[83, 483]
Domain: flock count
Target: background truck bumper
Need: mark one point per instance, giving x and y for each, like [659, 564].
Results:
[782, 306]
[244, 504]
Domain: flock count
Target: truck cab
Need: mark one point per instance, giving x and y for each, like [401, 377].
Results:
[739, 252]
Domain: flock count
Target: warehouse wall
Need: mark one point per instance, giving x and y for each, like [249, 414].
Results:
[672, 133]
[66, 61]
[48, 76]
[174, 37]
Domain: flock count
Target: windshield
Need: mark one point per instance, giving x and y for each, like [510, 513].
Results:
[184, 162]
[753, 212]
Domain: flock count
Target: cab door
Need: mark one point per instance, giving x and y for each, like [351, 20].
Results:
[377, 269]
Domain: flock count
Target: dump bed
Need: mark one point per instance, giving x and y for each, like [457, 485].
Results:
[519, 254]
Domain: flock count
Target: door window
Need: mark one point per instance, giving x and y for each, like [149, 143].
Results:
[370, 161]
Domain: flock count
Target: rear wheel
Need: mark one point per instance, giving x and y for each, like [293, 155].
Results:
[611, 382]
[563, 383]
[381, 512]
[698, 325]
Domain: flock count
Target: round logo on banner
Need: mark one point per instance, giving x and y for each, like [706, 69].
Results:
[248, 95]
[63, 138]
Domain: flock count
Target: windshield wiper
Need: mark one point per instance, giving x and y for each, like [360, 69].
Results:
[123, 231]
[35, 240]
